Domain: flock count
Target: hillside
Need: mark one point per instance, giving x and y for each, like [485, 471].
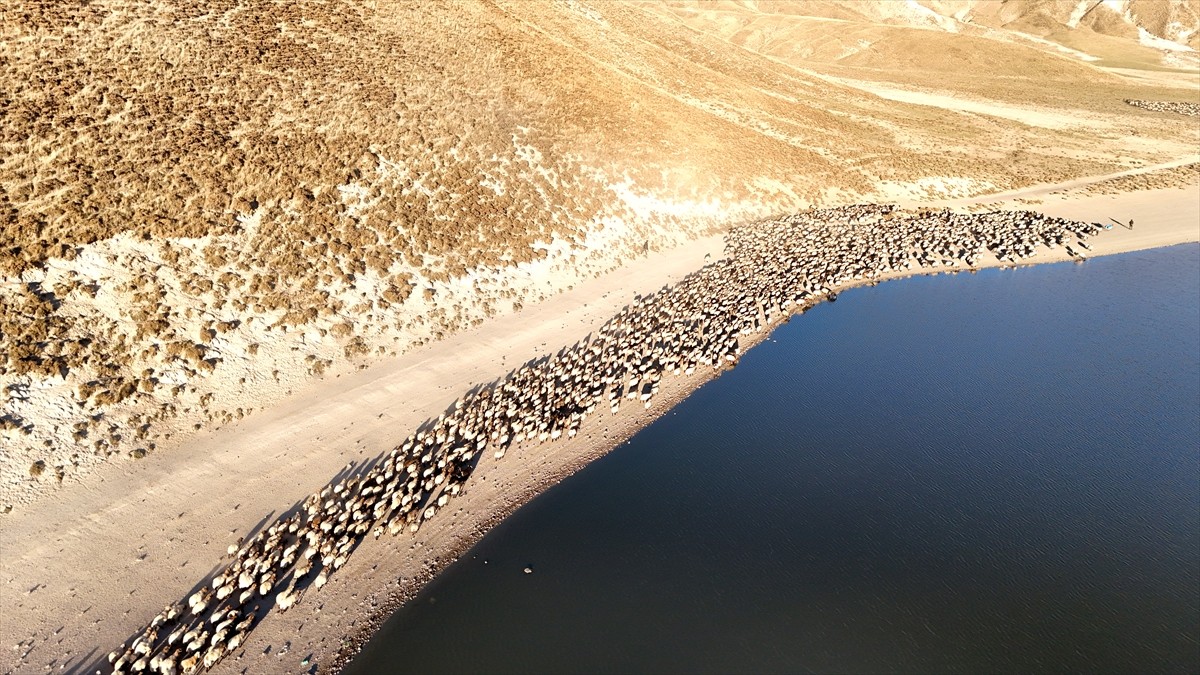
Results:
[207, 205]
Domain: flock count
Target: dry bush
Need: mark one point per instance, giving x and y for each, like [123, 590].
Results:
[115, 391]
[187, 350]
[356, 347]
[280, 159]
[11, 422]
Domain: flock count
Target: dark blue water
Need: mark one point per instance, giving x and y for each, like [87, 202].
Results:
[991, 472]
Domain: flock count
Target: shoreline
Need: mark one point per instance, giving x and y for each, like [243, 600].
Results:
[435, 546]
[370, 620]
[379, 614]
[681, 389]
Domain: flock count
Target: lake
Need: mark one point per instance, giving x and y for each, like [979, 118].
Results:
[982, 472]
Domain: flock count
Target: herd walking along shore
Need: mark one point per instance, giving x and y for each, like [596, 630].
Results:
[1181, 107]
[771, 269]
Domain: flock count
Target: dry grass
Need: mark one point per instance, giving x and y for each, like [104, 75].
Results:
[232, 197]
[1178, 177]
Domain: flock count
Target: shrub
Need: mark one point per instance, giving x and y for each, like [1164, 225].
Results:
[357, 347]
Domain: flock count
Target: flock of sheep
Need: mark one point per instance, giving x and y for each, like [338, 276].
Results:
[771, 269]
[1181, 107]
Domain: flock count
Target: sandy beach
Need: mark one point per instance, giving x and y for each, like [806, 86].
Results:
[85, 571]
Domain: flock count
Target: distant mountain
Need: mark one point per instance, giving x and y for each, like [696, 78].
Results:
[1176, 21]
[1144, 31]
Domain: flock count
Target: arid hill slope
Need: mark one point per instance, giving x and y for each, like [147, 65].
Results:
[206, 204]
[1018, 50]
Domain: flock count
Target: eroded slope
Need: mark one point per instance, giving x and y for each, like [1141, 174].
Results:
[204, 205]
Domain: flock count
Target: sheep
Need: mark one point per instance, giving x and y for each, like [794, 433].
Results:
[772, 269]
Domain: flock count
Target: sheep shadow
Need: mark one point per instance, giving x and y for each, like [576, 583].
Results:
[259, 606]
[296, 578]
